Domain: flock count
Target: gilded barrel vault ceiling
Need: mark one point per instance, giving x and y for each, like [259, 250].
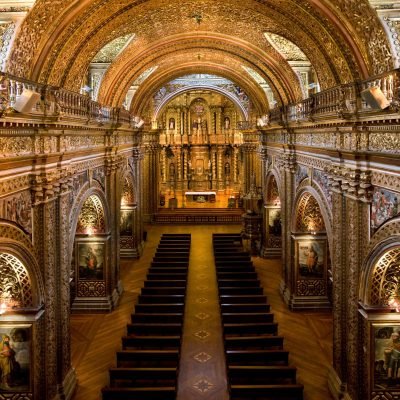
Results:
[342, 39]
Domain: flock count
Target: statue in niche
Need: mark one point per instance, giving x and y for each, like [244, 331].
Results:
[171, 123]
[227, 123]
[227, 169]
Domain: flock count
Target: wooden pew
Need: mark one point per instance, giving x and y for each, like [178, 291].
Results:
[236, 268]
[169, 270]
[229, 308]
[163, 290]
[170, 283]
[149, 318]
[167, 277]
[261, 374]
[136, 377]
[243, 299]
[233, 291]
[246, 318]
[160, 308]
[140, 393]
[238, 283]
[177, 235]
[154, 329]
[257, 357]
[261, 328]
[233, 263]
[254, 342]
[151, 342]
[237, 275]
[171, 258]
[161, 299]
[266, 392]
[147, 358]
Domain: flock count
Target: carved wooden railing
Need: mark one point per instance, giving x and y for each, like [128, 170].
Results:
[58, 102]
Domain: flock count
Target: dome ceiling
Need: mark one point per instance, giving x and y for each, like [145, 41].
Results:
[58, 40]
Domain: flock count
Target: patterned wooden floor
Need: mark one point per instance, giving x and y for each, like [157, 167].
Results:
[96, 338]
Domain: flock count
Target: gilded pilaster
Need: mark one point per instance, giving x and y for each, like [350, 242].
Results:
[150, 173]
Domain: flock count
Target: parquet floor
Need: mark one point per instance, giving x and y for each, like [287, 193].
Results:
[96, 338]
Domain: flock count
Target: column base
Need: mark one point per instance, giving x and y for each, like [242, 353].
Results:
[336, 387]
[271, 253]
[309, 303]
[130, 253]
[67, 389]
[82, 305]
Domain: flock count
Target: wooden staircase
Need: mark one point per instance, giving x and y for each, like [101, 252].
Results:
[147, 365]
[257, 365]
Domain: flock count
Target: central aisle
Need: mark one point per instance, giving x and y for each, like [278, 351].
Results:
[202, 364]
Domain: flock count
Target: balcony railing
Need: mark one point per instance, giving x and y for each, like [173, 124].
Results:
[58, 103]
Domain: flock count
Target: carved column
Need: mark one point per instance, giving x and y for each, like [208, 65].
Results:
[150, 174]
[250, 158]
[136, 167]
[67, 376]
[47, 241]
[220, 168]
[287, 165]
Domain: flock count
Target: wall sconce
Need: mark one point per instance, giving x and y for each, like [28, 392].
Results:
[89, 231]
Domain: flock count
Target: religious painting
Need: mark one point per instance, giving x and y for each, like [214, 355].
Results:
[15, 358]
[385, 356]
[384, 205]
[311, 258]
[126, 223]
[91, 257]
[274, 221]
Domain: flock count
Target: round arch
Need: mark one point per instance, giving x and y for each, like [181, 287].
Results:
[18, 261]
[224, 92]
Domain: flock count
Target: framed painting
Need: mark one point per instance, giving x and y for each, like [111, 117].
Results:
[126, 223]
[311, 258]
[274, 221]
[15, 358]
[385, 354]
[91, 257]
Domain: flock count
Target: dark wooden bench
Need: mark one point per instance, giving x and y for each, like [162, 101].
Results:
[177, 235]
[254, 342]
[160, 308]
[236, 268]
[243, 299]
[237, 275]
[257, 357]
[172, 250]
[147, 358]
[260, 328]
[266, 392]
[167, 276]
[261, 374]
[233, 262]
[154, 329]
[142, 393]
[164, 270]
[170, 283]
[163, 290]
[245, 318]
[151, 342]
[157, 318]
[229, 308]
[171, 258]
[160, 299]
[136, 377]
[238, 283]
[234, 291]
[169, 263]
[170, 241]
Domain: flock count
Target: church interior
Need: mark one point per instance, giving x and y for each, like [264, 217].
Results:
[199, 199]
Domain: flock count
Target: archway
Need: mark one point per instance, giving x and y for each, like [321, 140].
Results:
[128, 239]
[273, 219]
[90, 277]
[310, 254]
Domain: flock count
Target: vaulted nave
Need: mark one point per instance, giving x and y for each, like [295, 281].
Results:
[199, 199]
